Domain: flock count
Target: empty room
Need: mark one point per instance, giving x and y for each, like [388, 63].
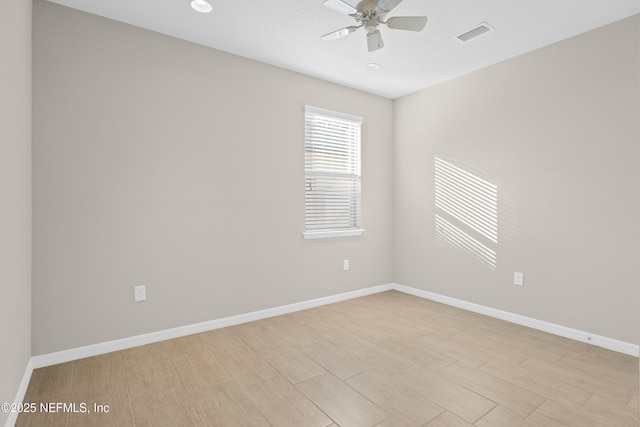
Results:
[319, 213]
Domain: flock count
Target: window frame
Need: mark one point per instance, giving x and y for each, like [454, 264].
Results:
[355, 175]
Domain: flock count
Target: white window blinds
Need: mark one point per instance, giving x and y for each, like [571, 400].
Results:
[332, 173]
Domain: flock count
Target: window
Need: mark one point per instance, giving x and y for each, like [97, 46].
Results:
[332, 174]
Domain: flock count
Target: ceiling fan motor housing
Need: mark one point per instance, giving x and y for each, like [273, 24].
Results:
[370, 15]
[371, 25]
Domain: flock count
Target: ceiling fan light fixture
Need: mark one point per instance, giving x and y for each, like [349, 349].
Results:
[201, 6]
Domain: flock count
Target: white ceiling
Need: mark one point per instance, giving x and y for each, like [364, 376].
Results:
[286, 33]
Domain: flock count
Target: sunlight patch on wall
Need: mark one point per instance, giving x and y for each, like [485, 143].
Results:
[467, 212]
[452, 236]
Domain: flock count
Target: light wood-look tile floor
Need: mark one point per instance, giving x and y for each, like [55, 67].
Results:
[383, 360]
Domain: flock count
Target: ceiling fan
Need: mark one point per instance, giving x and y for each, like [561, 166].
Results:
[369, 14]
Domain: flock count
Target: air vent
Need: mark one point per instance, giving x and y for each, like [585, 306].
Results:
[474, 32]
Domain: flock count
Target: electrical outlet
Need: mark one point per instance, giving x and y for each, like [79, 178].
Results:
[345, 264]
[518, 279]
[139, 293]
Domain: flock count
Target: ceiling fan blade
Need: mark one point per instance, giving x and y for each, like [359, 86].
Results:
[339, 34]
[374, 41]
[340, 6]
[388, 5]
[409, 23]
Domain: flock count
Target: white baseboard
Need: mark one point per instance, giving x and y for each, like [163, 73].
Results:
[552, 328]
[138, 340]
[22, 391]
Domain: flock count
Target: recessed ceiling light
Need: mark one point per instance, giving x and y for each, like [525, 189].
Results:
[201, 6]
[372, 67]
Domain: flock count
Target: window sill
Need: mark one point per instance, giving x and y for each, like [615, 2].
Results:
[332, 233]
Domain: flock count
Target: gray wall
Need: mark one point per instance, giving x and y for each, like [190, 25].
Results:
[162, 163]
[15, 188]
[557, 131]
